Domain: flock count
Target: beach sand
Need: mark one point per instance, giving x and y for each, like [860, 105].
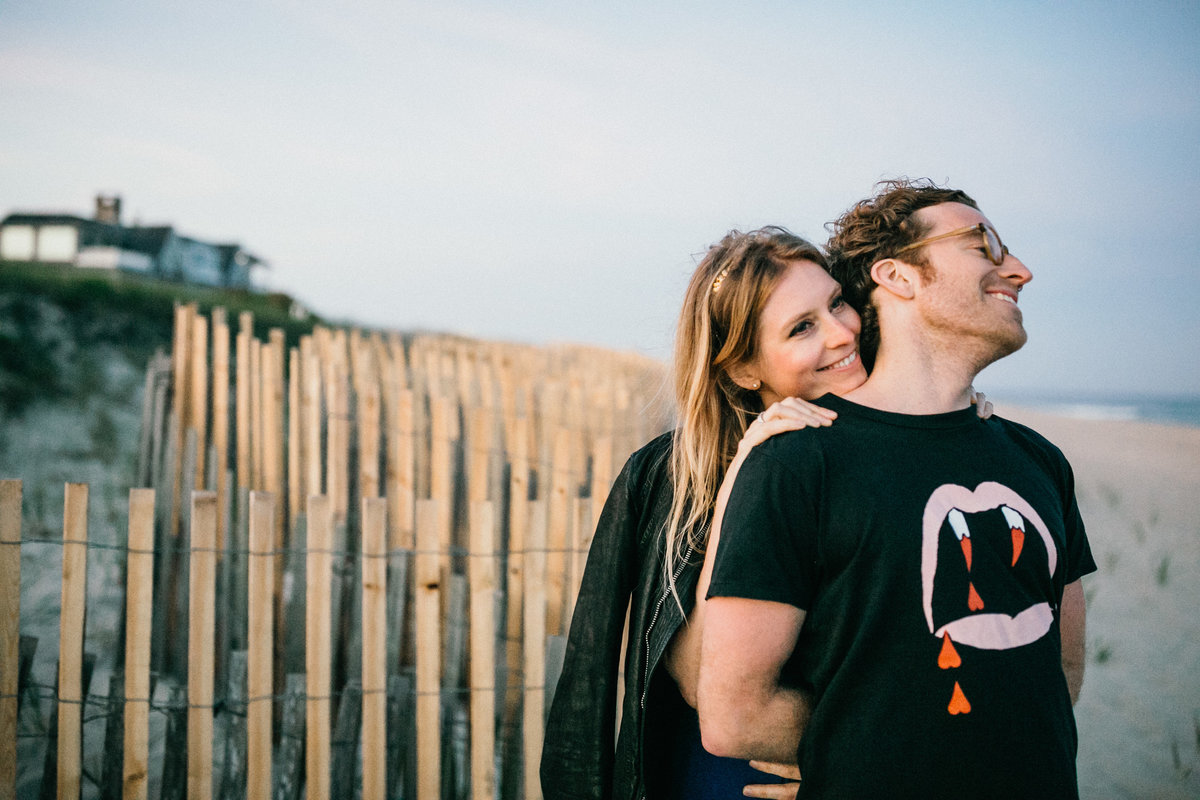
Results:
[1138, 486]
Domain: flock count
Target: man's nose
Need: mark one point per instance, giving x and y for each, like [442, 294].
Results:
[1014, 270]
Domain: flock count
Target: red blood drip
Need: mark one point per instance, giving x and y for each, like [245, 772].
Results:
[966, 548]
[974, 601]
[1018, 540]
[948, 658]
[958, 702]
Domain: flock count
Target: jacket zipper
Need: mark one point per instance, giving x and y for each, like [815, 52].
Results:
[654, 619]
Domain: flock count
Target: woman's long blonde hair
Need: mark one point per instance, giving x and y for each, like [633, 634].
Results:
[717, 331]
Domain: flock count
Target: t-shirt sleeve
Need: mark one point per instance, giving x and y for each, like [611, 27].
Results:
[1080, 561]
[767, 549]
[1077, 557]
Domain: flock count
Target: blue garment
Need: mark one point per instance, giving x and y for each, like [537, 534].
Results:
[692, 773]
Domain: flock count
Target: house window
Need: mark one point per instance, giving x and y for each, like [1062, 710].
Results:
[16, 242]
[57, 243]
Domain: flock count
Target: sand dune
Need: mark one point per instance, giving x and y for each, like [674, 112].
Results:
[1139, 714]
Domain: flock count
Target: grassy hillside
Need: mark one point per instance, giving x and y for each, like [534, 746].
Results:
[54, 318]
[74, 345]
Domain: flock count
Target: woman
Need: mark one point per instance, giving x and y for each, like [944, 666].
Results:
[762, 324]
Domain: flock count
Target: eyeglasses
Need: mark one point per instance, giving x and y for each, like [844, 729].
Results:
[996, 251]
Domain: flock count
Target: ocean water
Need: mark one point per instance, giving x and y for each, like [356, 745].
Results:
[1177, 410]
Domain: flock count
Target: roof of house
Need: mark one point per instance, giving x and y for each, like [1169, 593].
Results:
[26, 218]
[231, 251]
[146, 240]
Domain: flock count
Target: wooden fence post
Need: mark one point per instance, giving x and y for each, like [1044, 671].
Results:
[428, 642]
[401, 495]
[310, 410]
[558, 533]
[181, 346]
[374, 657]
[278, 342]
[482, 575]
[317, 639]
[480, 441]
[242, 391]
[70, 645]
[444, 413]
[198, 416]
[256, 415]
[259, 664]
[270, 362]
[337, 439]
[295, 439]
[535, 645]
[10, 652]
[201, 630]
[518, 524]
[367, 383]
[220, 420]
[180, 381]
[138, 616]
[401, 461]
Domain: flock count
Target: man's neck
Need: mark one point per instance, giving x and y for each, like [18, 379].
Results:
[916, 380]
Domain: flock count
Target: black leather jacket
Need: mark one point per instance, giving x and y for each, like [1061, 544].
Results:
[624, 566]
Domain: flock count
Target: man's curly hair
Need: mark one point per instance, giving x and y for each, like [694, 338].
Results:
[874, 229]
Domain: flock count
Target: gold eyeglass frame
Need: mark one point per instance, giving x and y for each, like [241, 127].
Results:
[980, 227]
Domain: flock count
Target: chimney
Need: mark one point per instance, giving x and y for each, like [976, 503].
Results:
[108, 209]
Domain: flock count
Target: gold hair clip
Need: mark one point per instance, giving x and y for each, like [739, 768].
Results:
[716, 284]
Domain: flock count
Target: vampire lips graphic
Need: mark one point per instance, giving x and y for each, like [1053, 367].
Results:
[978, 622]
[954, 608]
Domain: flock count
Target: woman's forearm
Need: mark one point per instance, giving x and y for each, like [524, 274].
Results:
[682, 659]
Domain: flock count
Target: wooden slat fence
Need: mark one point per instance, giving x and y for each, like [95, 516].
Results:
[349, 569]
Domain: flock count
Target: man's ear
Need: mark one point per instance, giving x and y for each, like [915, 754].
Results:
[895, 276]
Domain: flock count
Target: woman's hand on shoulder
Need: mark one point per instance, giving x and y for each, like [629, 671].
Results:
[775, 791]
[983, 406]
[789, 414]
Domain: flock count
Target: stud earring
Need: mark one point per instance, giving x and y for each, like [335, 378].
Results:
[757, 384]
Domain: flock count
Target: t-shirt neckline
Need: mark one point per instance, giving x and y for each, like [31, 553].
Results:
[942, 421]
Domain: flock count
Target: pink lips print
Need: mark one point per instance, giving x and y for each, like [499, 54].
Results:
[981, 628]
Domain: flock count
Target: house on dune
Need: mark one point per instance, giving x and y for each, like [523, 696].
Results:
[104, 242]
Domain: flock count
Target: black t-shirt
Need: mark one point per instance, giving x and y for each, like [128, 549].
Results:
[930, 555]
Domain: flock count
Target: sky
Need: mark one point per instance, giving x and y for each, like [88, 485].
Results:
[548, 172]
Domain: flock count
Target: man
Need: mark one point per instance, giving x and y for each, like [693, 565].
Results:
[912, 569]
